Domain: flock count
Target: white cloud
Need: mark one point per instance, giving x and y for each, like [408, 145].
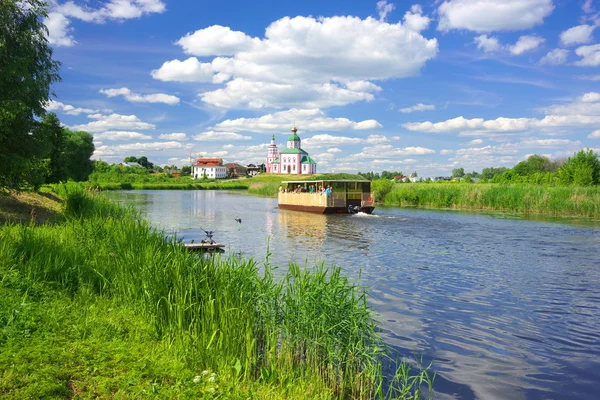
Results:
[475, 142]
[446, 151]
[115, 9]
[121, 149]
[58, 21]
[577, 35]
[587, 7]
[173, 136]
[190, 70]
[488, 44]
[138, 98]
[415, 20]
[384, 8]
[58, 30]
[54, 105]
[387, 150]
[417, 107]
[526, 43]
[301, 62]
[503, 124]
[215, 40]
[220, 136]
[594, 135]
[242, 93]
[555, 57]
[503, 149]
[113, 121]
[122, 135]
[589, 77]
[591, 97]
[493, 15]
[305, 120]
[590, 56]
[334, 150]
[556, 143]
[331, 140]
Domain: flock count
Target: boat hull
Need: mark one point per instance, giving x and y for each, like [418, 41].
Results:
[323, 210]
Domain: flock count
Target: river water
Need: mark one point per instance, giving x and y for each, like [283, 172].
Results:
[504, 307]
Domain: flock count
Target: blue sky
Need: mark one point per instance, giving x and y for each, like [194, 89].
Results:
[371, 85]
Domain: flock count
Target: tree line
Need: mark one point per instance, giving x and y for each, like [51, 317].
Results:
[582, 169]
[34, 147]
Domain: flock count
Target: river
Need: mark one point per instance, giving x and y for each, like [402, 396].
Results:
[503, 307]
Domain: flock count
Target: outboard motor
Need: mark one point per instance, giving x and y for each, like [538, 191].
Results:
[353, 209]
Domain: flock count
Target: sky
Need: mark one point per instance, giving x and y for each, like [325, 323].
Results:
[405, 86]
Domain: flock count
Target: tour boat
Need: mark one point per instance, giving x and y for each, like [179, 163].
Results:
[327, 196]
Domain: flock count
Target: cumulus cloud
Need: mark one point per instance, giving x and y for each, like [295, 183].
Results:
[122, 135]
[446, 151]
[555, 57]
[220, 136]
[305, 120]
[384, 8]
[577, 35]
[173, 136]
[121, 149]
[590, 56]
[138, 98]
[215, 40]
[415, 20]
[301, 62]
[493, 15]
[190, 70]
[58, 20]
[417, 107]
[526, 43]
[331, 140]
[114, 9]
[594, 135]
[113, 122]
[552, 143]
[54, 105]
[581, 112]
[488, 44]
[475, 142]
[59, 30]
[388, 150]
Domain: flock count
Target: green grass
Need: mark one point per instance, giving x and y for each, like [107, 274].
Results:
[521, 198]
[104, 306]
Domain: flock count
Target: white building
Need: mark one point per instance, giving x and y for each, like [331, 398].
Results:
[211, 168]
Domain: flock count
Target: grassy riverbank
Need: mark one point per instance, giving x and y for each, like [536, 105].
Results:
[101, 306]
[532, 199]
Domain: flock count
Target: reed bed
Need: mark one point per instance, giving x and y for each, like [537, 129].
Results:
[305, 333]
[529, 199]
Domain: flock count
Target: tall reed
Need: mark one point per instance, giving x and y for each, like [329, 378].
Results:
[306, 328]
[559, 200]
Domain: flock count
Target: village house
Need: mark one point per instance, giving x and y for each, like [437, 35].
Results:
[235, 170]
[211, 168]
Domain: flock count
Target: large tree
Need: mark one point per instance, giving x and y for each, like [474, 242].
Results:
[78, 148]
[27, 72]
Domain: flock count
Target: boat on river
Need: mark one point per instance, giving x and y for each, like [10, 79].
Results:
[327, 196]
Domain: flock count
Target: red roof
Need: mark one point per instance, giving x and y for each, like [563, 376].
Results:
[209, 162]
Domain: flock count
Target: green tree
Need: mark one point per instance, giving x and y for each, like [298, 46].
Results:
[131, 159]
[27, 72]
[79, 147]
[489, 173]
[49, 128]
[583, 169]
[535, 163]
[186, 170]
[458, 172]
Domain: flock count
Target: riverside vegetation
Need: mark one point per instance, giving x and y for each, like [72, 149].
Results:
[100, 305]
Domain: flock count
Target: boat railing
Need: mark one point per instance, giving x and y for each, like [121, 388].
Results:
[367, 200]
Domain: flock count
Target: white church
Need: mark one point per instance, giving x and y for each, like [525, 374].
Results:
[291, 160]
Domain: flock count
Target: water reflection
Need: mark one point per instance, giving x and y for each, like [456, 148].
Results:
[506, 308]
